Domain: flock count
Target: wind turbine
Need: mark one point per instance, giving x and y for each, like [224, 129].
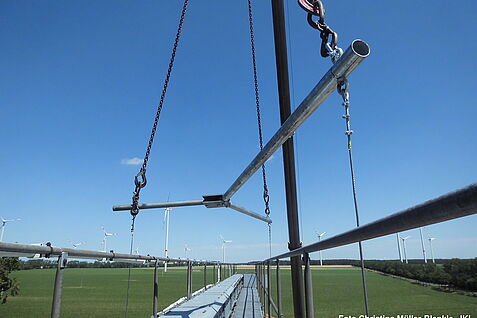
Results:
[223, 247]
[423, 247]
[166, 240]
[106, 234]
[4, 222]
[319, 240]
[399, 246]
[430, 245]
[186, 249]
[404, 247]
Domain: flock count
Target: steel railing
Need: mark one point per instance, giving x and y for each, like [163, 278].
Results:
[220, 270]
[457, 204]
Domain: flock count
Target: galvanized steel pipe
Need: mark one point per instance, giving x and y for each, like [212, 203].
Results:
[450, 206]
[348, 62]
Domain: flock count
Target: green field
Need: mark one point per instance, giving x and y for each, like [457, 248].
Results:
[102, 292]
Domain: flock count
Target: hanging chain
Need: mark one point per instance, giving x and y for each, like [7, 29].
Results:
[140, 180]
[316, 8]
[343, 90]
[266, 196]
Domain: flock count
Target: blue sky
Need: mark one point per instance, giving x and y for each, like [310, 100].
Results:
[80, 81]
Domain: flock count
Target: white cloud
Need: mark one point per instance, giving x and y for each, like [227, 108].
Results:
[131, 161]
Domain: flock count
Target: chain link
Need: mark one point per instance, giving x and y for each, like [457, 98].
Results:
[327, 45]
[266, 196]
[140, 179]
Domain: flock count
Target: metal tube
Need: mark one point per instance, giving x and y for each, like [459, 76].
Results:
[146, 206]
[58, 290]
[269, 291]
[351, 58]
[423, 247]
[214, 274]
[399, 246]
[156, 292]
[279, 291]
[310, 312]
[457, 204]
[205, 276]
[76, 253]
[189, 280]
[249, 213]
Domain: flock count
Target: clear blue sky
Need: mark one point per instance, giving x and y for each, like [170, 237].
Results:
[80, 81]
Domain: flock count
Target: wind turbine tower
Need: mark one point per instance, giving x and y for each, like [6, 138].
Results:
[404, 247]
[166, 239]
[223, 247]
[106, 234]
[430, 245]
[4, 222]
[423, 246]
[319, 240]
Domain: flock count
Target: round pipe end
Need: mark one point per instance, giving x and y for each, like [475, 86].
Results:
[360, 48]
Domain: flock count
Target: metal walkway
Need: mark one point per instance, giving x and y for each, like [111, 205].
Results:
[215, 302]
[248, 304]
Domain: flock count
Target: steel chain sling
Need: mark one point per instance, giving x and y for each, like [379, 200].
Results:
[140, 180]
[266, 196]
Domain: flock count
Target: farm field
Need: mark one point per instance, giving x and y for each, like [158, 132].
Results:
[94, 292]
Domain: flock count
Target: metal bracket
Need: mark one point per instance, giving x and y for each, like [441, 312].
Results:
[214, 201]
[62, 260]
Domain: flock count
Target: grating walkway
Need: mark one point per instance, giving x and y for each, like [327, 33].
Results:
[248, 303]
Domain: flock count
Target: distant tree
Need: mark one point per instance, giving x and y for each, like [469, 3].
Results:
[8, 286]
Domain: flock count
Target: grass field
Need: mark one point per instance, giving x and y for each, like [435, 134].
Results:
[101, 293]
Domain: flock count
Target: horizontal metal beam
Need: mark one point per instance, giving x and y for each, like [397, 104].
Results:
[145, 206]
[350, 59]
[209, 204]
[450, 206]
[86, 254]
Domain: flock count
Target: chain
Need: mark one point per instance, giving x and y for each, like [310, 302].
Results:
[316, 8]
[266, 196]
[140, 179]
[343, 90]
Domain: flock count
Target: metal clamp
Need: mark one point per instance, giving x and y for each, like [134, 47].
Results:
[62, 260]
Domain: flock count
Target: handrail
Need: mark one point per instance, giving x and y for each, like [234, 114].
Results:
[87, 254]
[457, 204]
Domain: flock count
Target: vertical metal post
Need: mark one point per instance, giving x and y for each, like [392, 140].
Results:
[288, 153]
[279, 291]
[58, 291]
[308, 287]
[423, 246]
[214, 274]
[269, 291]
[189, 280]
[205, 276]
[156, 291]
[399, 246]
